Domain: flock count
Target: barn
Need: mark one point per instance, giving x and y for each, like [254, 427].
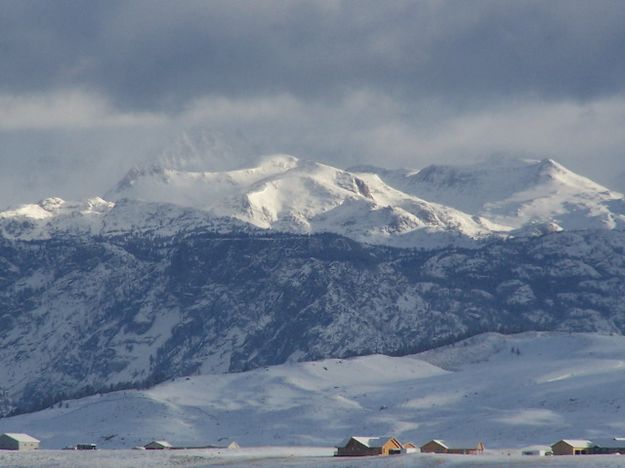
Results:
[18, 441]
[360, 446]
[441, 446]
[158, 445]
[434, 446]
[572, 447]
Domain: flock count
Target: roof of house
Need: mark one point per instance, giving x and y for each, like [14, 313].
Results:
[368, 441]
[576, 442]
[613, 442]
[536, 447]
[164, 443]
[459, 444]
[20, 437]
[438, 441]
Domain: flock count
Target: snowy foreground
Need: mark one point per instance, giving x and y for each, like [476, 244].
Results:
[507, 391]
[285, 457]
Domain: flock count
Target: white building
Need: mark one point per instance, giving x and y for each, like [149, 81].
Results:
[536, 451]
[18, 441]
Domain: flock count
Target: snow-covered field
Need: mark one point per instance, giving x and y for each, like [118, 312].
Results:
[508, 391]
[305, 457]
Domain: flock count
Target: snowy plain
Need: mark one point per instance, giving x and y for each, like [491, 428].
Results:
[306, 457]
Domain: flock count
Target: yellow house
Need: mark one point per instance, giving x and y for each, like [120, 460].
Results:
[571, 447]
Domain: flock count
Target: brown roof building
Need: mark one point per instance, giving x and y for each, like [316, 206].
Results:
[158, 445]
[441, 446]
[612, 445]
[364, 446]
[572, 447]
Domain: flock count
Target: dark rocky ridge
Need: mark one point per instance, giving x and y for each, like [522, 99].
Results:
[85, 314]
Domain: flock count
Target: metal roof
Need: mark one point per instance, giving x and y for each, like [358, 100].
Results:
[461, 444]
[20, 437]
[440, 442]
[164, 443]
[576, 442]
[367, 441]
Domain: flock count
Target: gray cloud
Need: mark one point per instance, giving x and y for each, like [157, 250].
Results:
[159, 55]
[87, 89]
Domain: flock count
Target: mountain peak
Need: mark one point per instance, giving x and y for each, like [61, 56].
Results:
[514, 192]
[397, 207]
[280, 161]
[285, 193]
[551, 166]
[51, 203]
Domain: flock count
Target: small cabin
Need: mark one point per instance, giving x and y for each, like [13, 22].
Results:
[158, 445]
[409, 447]
[572, 447]
[441, 446]
[536, 451]
[362, 446]
[18, 441]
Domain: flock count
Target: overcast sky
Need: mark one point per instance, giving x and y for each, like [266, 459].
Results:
[87, 89]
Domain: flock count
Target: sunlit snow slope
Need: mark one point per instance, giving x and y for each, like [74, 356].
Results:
[284, 193]
[509, 391]
[433, 207]
[517, 193]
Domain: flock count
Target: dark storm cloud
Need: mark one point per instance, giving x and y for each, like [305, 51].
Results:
[159, 55]
[89, 88]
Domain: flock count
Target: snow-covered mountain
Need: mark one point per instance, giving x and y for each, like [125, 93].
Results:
[433, 207]
[516, 193]
[82, 314]
[56, 218]
[508, 391]
[175, 271]
[284, 193]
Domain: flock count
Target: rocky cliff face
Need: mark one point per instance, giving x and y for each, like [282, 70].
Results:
[86, 313]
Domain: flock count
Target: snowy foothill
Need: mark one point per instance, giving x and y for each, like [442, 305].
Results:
[510, 392]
